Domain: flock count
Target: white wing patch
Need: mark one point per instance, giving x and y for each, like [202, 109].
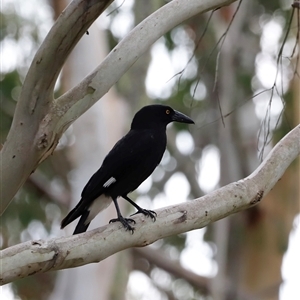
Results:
[109, 182]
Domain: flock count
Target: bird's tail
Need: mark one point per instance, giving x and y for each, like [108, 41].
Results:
[75, 213]
[81, 226]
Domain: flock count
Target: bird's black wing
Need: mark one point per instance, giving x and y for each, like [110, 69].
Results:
[128, 164]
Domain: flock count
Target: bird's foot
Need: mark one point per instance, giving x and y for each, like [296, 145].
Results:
[125, 222]
[148, 213]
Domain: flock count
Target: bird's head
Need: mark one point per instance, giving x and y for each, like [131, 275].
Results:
[156, 115]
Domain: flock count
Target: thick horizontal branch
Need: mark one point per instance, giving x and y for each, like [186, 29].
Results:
[41, 256]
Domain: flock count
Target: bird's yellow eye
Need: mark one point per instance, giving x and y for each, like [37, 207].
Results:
[167, 111]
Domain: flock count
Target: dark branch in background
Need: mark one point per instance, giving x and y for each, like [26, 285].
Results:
[145, 259]
[222, 40]
[156, 258]
[143, 265]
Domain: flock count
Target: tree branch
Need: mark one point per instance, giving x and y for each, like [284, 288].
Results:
[41, 256]
[31, 137]
[124, 55]
[39, 120]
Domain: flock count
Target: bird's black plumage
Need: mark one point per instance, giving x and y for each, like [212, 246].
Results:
[127, 165]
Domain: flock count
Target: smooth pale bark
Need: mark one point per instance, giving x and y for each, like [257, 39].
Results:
[32, 137]
[40, 256]
[40, 120]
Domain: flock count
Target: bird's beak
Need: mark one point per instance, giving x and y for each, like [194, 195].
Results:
[181, 118]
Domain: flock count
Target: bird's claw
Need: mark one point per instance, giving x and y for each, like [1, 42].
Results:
[148, 213]
[125, 222]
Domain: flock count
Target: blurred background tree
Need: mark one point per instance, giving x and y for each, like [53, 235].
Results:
[226, 70]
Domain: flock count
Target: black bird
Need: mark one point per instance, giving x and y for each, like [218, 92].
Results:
[127, 165]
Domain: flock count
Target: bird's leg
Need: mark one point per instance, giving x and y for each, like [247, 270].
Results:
[149, 213]
[125, 222]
